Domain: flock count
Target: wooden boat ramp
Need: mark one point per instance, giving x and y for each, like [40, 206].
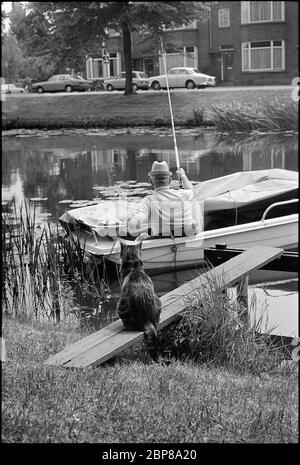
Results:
[102, 345]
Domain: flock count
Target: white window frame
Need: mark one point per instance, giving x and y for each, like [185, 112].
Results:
[118, 63]
[89, 68]
[105, 66]
[245, 14]
[272, 47]
[224, 17]
[161, 61]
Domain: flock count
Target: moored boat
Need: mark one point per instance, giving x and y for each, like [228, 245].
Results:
[240, 210]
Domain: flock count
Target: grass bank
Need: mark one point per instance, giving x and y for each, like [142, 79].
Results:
[130, 401]
[190, 108]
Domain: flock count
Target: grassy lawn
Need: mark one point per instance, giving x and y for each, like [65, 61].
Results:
[112, 110]
[130, 401]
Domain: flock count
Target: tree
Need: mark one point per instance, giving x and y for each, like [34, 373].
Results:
[11, 59]
[17, 16]
[78, 26]
[3, 18]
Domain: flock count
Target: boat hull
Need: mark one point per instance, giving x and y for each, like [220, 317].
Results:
[167, 254]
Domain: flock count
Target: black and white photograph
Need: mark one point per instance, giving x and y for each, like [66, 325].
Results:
[149, 228]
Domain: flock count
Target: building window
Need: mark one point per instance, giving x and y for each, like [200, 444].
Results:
[114, 63]
[191, 25]
[100, 67]
[224, 17]
[263, 56]
[183, 56]
[261, 12]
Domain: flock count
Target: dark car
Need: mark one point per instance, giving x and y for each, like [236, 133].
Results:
[62, 83]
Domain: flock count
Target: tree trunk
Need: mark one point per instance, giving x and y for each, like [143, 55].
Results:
[128, 57]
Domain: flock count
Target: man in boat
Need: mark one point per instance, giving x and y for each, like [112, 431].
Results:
[167, 212]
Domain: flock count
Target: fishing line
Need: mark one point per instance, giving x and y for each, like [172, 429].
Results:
[170, 105]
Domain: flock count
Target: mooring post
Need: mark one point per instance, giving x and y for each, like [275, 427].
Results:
[242, 298]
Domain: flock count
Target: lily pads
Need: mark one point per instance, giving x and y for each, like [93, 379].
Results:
[67, 201]
[82, 203]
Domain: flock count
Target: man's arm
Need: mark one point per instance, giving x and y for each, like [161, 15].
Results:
[186, 184]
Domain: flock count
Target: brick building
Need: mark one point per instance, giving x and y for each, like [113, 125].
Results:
[241, 43]
[186, 45]
[254, 43]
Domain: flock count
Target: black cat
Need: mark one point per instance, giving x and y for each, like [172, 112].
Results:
[139, 307]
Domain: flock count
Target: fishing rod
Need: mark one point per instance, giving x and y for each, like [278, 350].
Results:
[170, 105]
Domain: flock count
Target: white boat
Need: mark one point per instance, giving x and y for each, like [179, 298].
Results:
[264, 209]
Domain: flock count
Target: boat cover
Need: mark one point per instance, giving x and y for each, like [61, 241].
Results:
[223, 193]
[239, 189]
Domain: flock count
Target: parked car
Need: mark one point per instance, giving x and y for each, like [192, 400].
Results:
[182, 77]
[11, 89]
[140, 80]
[62, 83]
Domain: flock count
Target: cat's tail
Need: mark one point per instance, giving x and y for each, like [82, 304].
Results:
[151, 340]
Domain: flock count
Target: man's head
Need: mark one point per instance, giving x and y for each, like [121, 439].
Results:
[160, 174]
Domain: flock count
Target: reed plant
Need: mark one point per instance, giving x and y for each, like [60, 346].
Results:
[213, 330]
[275, 115]
[46, 273]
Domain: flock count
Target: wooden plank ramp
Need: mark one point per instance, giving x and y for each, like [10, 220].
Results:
[100, 346]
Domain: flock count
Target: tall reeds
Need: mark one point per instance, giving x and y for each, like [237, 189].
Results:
[212, 331]
[275, 115]
[46, 273]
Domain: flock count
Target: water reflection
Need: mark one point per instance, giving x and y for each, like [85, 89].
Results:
[69, 166]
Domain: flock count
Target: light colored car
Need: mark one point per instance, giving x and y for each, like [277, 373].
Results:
[182, 77]
[62, 83]
[140, 80]
[11, 89]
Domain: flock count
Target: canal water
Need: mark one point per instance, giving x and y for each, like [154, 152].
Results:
[66, 165]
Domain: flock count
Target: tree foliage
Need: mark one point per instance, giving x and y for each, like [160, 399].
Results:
[11, 59]
[77, 28]
[63, 33]
[21, 62]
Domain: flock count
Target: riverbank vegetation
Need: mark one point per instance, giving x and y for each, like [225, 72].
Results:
[270, 116]
[45, 272]
[207, 107]
[213, 330]
[223, 383]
